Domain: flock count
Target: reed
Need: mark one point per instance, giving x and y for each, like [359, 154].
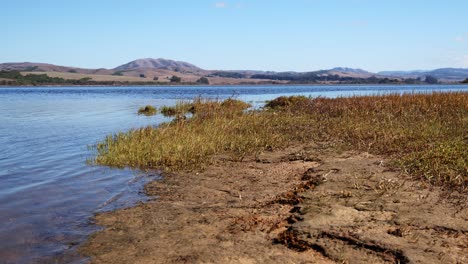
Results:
[181, 108]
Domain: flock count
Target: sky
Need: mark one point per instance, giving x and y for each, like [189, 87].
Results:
[282, 35]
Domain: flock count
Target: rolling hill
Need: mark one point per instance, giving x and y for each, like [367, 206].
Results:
[443, 74]
[161, 70]
[158, 64]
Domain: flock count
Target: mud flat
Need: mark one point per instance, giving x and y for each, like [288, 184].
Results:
[307, 204]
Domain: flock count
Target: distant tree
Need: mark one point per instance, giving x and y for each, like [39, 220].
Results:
[10, 74]
[203, 80]
[411, 81]
[142, 75]
[227, 74]
[465, 81]
[155, 78]
[118, 73]
[176, 79]
[431, 80]
[373, 79]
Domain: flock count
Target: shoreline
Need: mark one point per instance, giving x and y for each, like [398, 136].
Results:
[234, 85]
[302, 204]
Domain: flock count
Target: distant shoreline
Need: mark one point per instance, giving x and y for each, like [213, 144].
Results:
[221, 85]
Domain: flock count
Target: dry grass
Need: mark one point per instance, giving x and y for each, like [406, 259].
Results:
[94, 77]
[204, 107]
[424, 134]
[181, 108]
[133, 76]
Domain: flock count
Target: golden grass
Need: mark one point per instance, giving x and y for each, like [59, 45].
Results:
[94, 77]
[180, 108]
[204, 107]
[425, 134]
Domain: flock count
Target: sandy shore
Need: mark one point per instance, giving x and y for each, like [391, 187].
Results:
[308, 204]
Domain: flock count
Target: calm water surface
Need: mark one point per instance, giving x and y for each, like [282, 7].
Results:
[47, 192]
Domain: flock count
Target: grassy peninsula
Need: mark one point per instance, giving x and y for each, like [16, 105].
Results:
[372, 179]
[424, 134]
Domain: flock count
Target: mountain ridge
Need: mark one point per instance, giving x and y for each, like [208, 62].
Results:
[160, 63]
[160, 67]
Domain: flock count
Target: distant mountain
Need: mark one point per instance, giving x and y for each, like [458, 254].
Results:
[401, 73]
[45, 67]
[350, 70]
[158, 64]
[447, 74]
[450, 73]
[164, 69]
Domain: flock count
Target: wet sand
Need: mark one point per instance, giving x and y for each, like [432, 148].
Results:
[307, 204]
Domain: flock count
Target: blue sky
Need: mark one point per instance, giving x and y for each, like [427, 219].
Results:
[300, 35]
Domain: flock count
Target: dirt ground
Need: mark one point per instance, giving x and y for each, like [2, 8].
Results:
[301, 205]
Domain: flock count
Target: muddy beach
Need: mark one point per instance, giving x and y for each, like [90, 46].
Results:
[307, 204]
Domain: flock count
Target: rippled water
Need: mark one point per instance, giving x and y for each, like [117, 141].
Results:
[47, 192]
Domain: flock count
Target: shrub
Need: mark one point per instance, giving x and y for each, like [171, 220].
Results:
[175, 79]
[203, 80]
[431, 80]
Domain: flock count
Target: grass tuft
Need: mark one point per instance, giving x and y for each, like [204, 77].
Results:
[424, 134]
[147, 110]
[283, 102]
[181, 108]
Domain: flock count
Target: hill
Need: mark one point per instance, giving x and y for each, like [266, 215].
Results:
[45, 67]
[443, 74]
[158, 64]
[162, 70]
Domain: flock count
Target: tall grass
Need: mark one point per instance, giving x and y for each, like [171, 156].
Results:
[425, 134]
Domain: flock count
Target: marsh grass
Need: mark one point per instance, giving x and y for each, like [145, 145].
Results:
[283, 102]
[147, 110]
[425, 134]
[205, 107]
[180, 108]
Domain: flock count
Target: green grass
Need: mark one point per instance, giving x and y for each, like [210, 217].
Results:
[424, 134]
[147, 110]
